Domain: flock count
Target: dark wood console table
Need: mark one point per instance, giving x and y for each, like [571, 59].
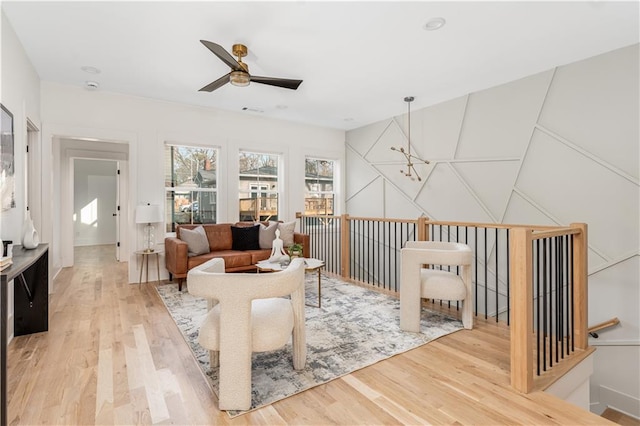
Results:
[30, 272]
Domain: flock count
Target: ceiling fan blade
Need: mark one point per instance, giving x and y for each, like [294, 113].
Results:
[279, 82]
[223, 55]
[216, 84]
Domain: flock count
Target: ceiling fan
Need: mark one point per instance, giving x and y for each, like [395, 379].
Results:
[239, 75]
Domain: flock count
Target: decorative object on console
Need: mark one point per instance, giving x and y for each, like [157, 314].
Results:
[30, 238]
[407, 153]
[148, 214]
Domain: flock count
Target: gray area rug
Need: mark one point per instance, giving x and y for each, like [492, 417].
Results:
[354, 328]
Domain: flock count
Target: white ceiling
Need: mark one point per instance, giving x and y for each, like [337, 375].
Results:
[358, 60]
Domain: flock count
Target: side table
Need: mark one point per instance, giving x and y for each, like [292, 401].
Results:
[145, 261]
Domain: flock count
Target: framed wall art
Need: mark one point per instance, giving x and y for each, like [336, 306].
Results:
[7, 161]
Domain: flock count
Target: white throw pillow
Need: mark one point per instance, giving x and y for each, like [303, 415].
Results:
[267, 235]
[286, 232]
[196, 239]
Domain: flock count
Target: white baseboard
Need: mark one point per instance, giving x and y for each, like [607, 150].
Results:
[619, 401]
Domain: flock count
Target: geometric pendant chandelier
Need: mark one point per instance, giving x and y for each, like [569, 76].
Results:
[407, 153]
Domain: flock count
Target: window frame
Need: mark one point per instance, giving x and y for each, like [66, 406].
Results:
[190, 192]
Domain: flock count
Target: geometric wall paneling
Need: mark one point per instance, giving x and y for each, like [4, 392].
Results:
[410, 186]
[359, 173]
[445, 197]
[392, 136]
[491, 181]
[589, 193]
[441, 128]
[369, 201]
[397, 205]
[498, 121]
[617, 284]
[521, 211]
[607, 112]
[596, 260]
[362, 139]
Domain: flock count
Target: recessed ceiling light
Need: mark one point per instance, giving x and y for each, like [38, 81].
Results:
[90, 70]
[281, 107]
[434, 24]
[348, 119]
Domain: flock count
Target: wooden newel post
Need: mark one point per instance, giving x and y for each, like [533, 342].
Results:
[580, 283]
[423, 231]
[345, 243]
[521, 253]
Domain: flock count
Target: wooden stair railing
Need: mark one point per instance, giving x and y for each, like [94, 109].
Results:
[593, 330]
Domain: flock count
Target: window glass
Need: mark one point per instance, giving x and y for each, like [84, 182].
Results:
[319, 194]
[258, 186]
[191, 176]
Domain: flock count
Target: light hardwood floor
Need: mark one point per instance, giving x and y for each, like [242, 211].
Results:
[113, 355]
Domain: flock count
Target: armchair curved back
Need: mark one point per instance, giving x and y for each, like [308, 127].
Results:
[210, 281]
[439, 252]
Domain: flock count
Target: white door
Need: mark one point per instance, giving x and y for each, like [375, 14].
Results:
[117, 211]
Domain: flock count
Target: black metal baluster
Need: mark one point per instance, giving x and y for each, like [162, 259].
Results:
[550, 300]
[486, 280]
[508, 281]
[475, 229]
[539, 262]
[544, 304]
[496, 273]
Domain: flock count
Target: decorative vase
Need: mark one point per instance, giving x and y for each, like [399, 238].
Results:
[30, 238]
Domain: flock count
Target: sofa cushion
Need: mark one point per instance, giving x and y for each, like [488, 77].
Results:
[245, 237]
[258, 255]
[196, 239]
[268, 234]
[286, 232]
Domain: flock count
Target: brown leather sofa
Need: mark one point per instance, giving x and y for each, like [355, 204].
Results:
[178, 263]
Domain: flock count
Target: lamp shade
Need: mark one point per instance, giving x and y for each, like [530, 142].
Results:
[148, 214]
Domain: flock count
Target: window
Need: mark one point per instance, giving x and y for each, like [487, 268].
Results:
[318, 181]
[191, 176]
[258, 187]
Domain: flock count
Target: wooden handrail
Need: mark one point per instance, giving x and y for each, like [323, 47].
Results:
[490, 225]
[606, 324]
[538, 235]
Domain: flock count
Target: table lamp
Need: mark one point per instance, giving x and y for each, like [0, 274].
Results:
[148, 214]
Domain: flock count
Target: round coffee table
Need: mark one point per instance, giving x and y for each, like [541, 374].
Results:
[310, 265]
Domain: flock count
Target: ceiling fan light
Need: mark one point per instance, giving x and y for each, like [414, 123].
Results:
[239, 78]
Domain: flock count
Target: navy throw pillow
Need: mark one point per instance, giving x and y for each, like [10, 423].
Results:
[245, 237]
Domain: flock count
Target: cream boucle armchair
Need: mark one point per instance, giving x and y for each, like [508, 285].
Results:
[417, 283]
[247, 313]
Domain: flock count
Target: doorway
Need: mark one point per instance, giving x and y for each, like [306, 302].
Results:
[96, 203]
[76, 230]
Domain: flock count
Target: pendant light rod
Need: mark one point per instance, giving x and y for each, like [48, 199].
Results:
[407, 154]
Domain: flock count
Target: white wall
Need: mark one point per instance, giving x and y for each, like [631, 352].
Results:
[20, 94]
[557, 147]
[94, 202]
[145, 125]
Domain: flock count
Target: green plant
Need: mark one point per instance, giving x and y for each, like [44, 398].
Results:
[295, 249]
